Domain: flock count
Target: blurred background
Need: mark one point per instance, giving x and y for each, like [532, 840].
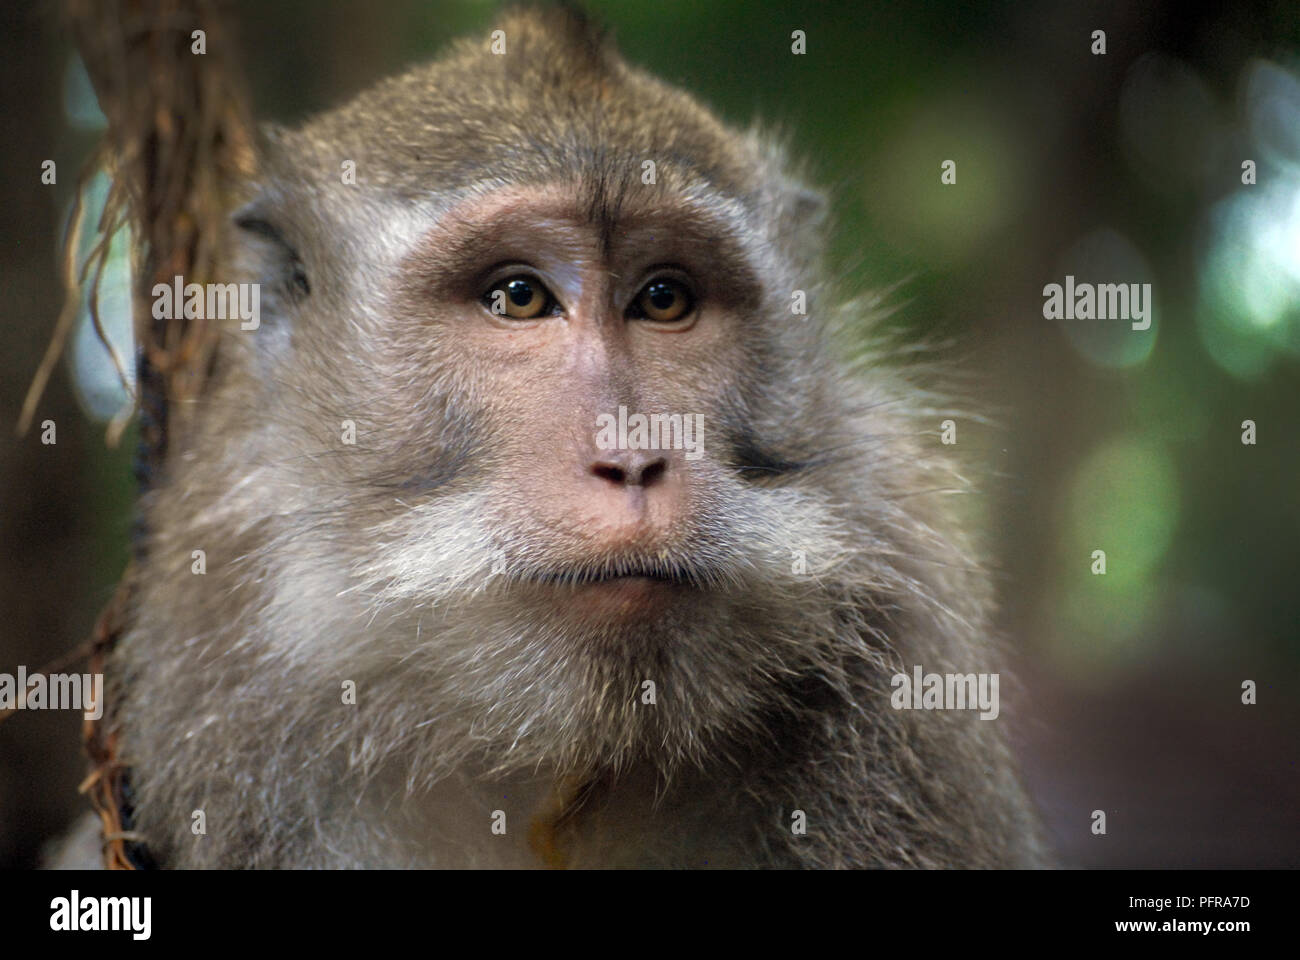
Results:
[1123, 167]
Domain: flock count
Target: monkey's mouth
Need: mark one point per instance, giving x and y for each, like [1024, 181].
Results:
[622, 572]
[617, 592]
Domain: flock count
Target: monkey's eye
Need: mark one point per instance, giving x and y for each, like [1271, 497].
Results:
[521, 297]
[663, 300]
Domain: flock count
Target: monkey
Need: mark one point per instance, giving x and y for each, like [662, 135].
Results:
[443, 616]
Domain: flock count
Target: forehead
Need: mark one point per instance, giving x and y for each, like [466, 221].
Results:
[484, 224]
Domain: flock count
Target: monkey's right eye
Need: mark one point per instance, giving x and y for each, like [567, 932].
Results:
[520, 297]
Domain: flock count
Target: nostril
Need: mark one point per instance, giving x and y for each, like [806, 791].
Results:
[653, 472]
[632, 473]
[608, 471]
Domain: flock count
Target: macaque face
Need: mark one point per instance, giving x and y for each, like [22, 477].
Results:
[563, 321]
[523, 327]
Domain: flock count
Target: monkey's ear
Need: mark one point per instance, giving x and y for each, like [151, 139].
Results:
[802, 220]
[802, 211]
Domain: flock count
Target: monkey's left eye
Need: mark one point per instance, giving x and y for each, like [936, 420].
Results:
[663, 300]
[520, 298]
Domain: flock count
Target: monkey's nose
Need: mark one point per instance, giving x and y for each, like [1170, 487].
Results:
[631, 468]
[629, 499]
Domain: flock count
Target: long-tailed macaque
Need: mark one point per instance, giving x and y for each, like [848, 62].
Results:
[542, 522]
